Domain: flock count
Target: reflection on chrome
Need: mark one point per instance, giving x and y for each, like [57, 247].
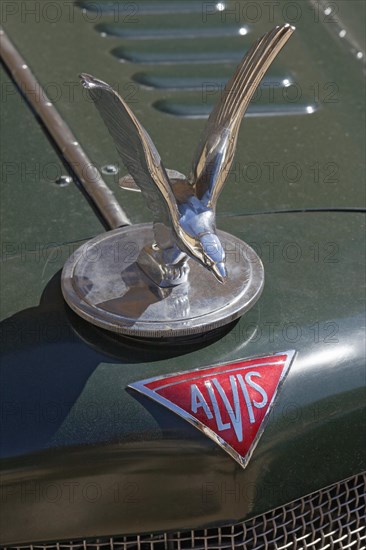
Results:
[220, 6]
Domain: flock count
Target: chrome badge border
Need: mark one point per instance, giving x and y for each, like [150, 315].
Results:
[243, 461]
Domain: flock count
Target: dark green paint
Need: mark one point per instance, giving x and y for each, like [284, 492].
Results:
[67, 416]
[37, 216]
[327, 146]
[71, 420]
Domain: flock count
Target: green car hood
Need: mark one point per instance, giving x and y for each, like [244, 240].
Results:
[83, 456]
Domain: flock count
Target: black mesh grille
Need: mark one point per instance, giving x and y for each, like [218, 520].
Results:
[331, 519]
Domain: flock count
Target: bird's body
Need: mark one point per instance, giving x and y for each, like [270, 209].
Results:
[184, 208]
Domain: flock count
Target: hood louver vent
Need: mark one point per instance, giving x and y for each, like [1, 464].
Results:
[183, 41]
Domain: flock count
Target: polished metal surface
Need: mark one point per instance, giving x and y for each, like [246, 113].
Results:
[185, 209]
[215, 153]
[81, 165]
[333, 518]
[103, 283]
[153, 290]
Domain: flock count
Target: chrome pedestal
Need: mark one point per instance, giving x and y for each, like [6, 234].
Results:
[103, 283]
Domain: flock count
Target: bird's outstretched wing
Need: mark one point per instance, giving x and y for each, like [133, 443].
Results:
[216, 150]
[136, 149]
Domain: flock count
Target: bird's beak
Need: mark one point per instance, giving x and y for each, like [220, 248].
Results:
[219, 270]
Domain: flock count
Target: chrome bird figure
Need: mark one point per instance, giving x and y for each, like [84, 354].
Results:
[184, 208]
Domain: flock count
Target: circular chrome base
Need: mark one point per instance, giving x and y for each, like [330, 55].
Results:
[103, 284]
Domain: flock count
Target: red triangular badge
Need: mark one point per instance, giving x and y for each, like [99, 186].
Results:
[230, 403]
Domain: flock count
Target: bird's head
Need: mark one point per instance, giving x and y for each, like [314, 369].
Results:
[212, 255]
[201, 242]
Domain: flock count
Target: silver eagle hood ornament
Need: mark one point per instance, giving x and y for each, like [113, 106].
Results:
[138, 280]
[184, 208]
